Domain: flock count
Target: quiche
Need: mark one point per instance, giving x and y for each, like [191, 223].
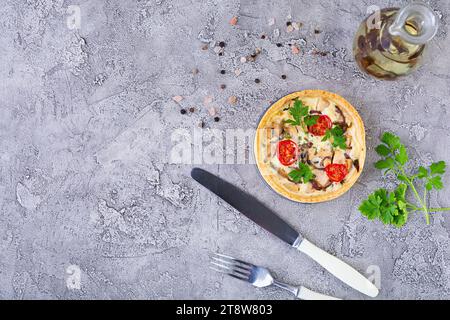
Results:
[310, 146]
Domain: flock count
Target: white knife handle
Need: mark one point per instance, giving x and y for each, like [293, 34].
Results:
[306, 294]
[339, 269]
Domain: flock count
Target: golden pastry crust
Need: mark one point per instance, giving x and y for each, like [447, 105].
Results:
[276, 178]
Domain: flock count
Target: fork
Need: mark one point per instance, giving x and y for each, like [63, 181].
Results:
[260, 277]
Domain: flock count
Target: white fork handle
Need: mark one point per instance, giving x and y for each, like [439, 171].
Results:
[306, 294]
[339, 269]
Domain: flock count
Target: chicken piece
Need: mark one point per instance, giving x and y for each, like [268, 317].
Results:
[339, 157]
[321, 181]
[322, 104]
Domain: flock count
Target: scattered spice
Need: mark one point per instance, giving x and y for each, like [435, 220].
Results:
[195, 71]
[263, 36]
[216, 119]
[295, 49]
[237, 72]
[317, 31]
[234, 21]
[289, 29]
[207, 100]
[183, 111]
[220, 53]
[320, 53]
[201, 124]
[212, 111]
[205, 47]
[283, 76]
[279, 45]
[191, 109]
[243, 59]
[222, 71]
[288, 23]
[177, 99]
[232, 100]
[223, 86]
[222, 44]
[271, 21]
[257, 80]
[297, 25]
[276, 33]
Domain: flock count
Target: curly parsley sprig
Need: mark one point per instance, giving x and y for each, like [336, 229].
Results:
[300, 115]
[302, 174]
[392, 207]
[336, 135]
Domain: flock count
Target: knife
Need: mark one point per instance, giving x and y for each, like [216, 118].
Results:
[266, 218]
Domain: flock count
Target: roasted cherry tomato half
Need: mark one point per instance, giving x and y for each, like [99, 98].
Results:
[287, 152]
[336, 172]
[322, 125]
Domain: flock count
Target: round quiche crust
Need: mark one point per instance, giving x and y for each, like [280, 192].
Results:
[274, 180]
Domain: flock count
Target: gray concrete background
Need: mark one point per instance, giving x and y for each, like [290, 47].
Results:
[85, 126]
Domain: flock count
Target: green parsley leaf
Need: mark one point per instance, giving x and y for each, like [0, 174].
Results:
[390, 208]
[303, 174]
[297, 111]
[371, 207]
[336, 135]
[434, 182]
[387, 163]
[391, 140]
[437, 167]
[382, 150]
[402, 155]
[400, 192]
[310, 120]
[422, 172]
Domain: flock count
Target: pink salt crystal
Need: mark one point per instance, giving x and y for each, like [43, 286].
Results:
[177, 99]
[234, 21]
[207, 100]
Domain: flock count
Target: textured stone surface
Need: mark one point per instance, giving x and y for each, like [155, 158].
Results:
[85, 126]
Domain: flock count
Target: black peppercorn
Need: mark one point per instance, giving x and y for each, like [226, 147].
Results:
[183, 111]
[216, 119]
[222, 71]
[257, 80]
[283, 76]
[221, 44]
[279, 45]
[288, 23]
[222, 86]
[263, 36]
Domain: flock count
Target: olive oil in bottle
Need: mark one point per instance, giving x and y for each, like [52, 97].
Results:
[393, 46]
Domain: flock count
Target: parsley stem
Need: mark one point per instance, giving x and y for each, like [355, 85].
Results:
[438, 209]
[416, 194]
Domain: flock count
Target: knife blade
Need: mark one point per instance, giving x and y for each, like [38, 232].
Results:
[256, 211]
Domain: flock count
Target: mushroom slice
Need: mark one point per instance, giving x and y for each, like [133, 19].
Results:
[340, 114]
[349, 163]
[319, 160]
[341, 120]
[348, 138]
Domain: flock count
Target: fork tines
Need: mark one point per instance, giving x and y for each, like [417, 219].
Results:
[236, 268]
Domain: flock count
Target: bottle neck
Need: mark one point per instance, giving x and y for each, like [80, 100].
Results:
[415, 23]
